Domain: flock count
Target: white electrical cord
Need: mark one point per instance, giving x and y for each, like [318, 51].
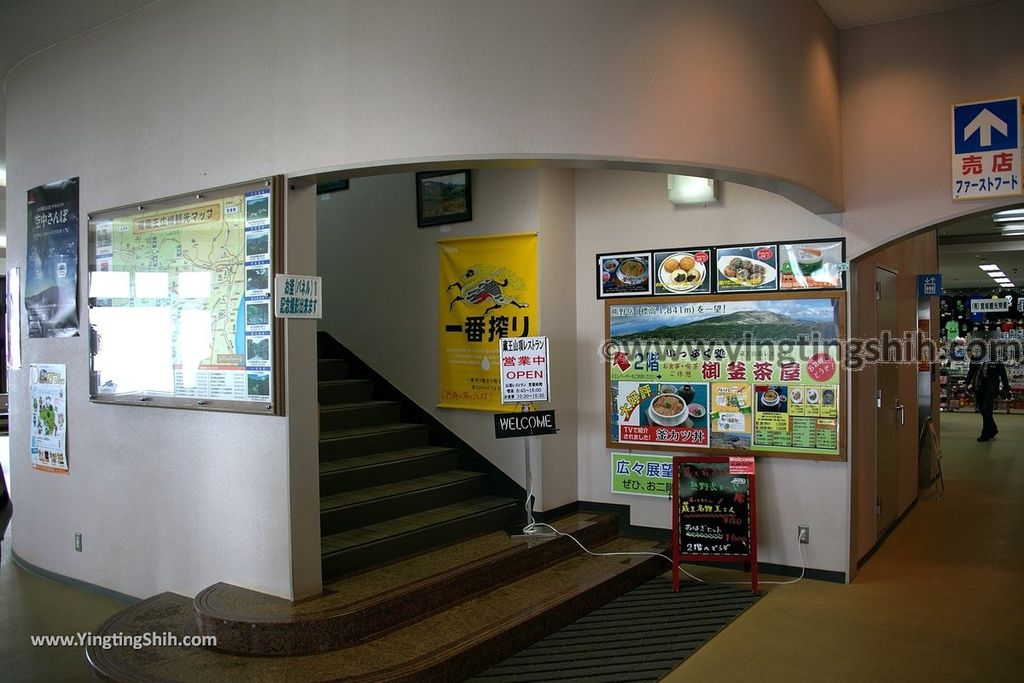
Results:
[530, 527]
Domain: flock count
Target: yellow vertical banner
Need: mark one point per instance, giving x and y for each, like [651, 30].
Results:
[488, 291]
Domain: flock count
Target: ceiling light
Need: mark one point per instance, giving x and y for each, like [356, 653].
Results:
[684, 190]
[1002, 279]
[1008, 215]
[989, 266]
[1006, 284]
[997, 274]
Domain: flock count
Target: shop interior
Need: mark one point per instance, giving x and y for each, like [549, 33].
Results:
[981, 259]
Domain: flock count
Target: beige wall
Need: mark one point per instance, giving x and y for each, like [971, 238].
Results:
[629, 211]
[380, 275]
[898, 83]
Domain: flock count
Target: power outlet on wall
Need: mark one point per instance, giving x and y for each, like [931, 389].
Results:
[78, 542]
[804, 534]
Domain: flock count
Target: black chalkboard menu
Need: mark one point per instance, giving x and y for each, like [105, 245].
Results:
[714, 512]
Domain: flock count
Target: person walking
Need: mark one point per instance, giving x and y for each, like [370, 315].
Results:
[986, 377]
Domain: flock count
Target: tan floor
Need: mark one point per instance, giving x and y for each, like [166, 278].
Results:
[941, 600]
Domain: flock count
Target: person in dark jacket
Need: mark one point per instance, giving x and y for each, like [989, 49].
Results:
[987, 376]
[6, 508]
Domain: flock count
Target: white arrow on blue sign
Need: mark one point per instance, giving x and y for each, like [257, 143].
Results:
[986, 126]
[987, 149]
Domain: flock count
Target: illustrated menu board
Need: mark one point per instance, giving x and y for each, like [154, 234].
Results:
[726, 374]
[180, 301]
[725, 269]
[714, 512]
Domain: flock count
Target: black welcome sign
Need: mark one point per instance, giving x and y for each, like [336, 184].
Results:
[534, 423]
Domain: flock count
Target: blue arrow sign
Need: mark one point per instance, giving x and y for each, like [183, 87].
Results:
[986, 126]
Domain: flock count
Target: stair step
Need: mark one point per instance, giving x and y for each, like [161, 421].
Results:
[331, 368]
[359, 441]
[367, 506]
[350, 551]
[379, 468]
[344, 391]
[362, 414]
[451, 644]
[360, 606]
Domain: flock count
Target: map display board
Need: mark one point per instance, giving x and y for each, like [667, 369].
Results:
[180, 301]
[755, 373]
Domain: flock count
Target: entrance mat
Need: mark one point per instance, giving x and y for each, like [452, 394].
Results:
[640, 636]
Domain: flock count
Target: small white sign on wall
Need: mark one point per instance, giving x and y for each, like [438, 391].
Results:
[297, 296]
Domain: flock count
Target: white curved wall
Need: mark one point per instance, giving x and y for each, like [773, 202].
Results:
[186, 95]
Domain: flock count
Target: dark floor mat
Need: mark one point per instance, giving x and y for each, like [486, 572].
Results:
[640, 636]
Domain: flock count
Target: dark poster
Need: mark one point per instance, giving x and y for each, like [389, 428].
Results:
[51, 274]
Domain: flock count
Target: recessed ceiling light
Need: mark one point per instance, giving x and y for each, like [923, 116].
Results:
[997, 274]
[1008, 215]
[1006, 284]
[989, 266]
[1002, 279]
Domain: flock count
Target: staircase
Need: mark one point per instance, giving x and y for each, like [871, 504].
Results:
[428, 586]
[385, 492]
[441, 615]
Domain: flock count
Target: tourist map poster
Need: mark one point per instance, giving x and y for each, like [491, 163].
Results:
[182, 297]
[48, 440]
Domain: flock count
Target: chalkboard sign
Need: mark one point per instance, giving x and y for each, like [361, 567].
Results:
[714, 513]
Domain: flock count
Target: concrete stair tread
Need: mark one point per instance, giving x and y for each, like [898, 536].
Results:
[368, 430]
[342, 382]
[448, 645]
[355, 405]
[334, 466]
[396, 488]
[411, 523]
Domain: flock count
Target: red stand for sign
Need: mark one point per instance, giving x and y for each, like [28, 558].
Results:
[729, 548]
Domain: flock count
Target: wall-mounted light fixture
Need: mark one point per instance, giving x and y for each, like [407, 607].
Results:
[685, 190]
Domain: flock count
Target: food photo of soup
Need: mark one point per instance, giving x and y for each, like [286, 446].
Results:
[668, 410]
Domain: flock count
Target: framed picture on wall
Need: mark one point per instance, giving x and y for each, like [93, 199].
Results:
[443, 197]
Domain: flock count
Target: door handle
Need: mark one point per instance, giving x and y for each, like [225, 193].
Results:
[903, 412]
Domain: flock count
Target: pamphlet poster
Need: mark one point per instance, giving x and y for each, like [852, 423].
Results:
[682, 271]
[747, 269]
[642, 475]
[48, 441]
[624, 274]
[51, 275]
[488, 290]
[811, 265]
[759, 375]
